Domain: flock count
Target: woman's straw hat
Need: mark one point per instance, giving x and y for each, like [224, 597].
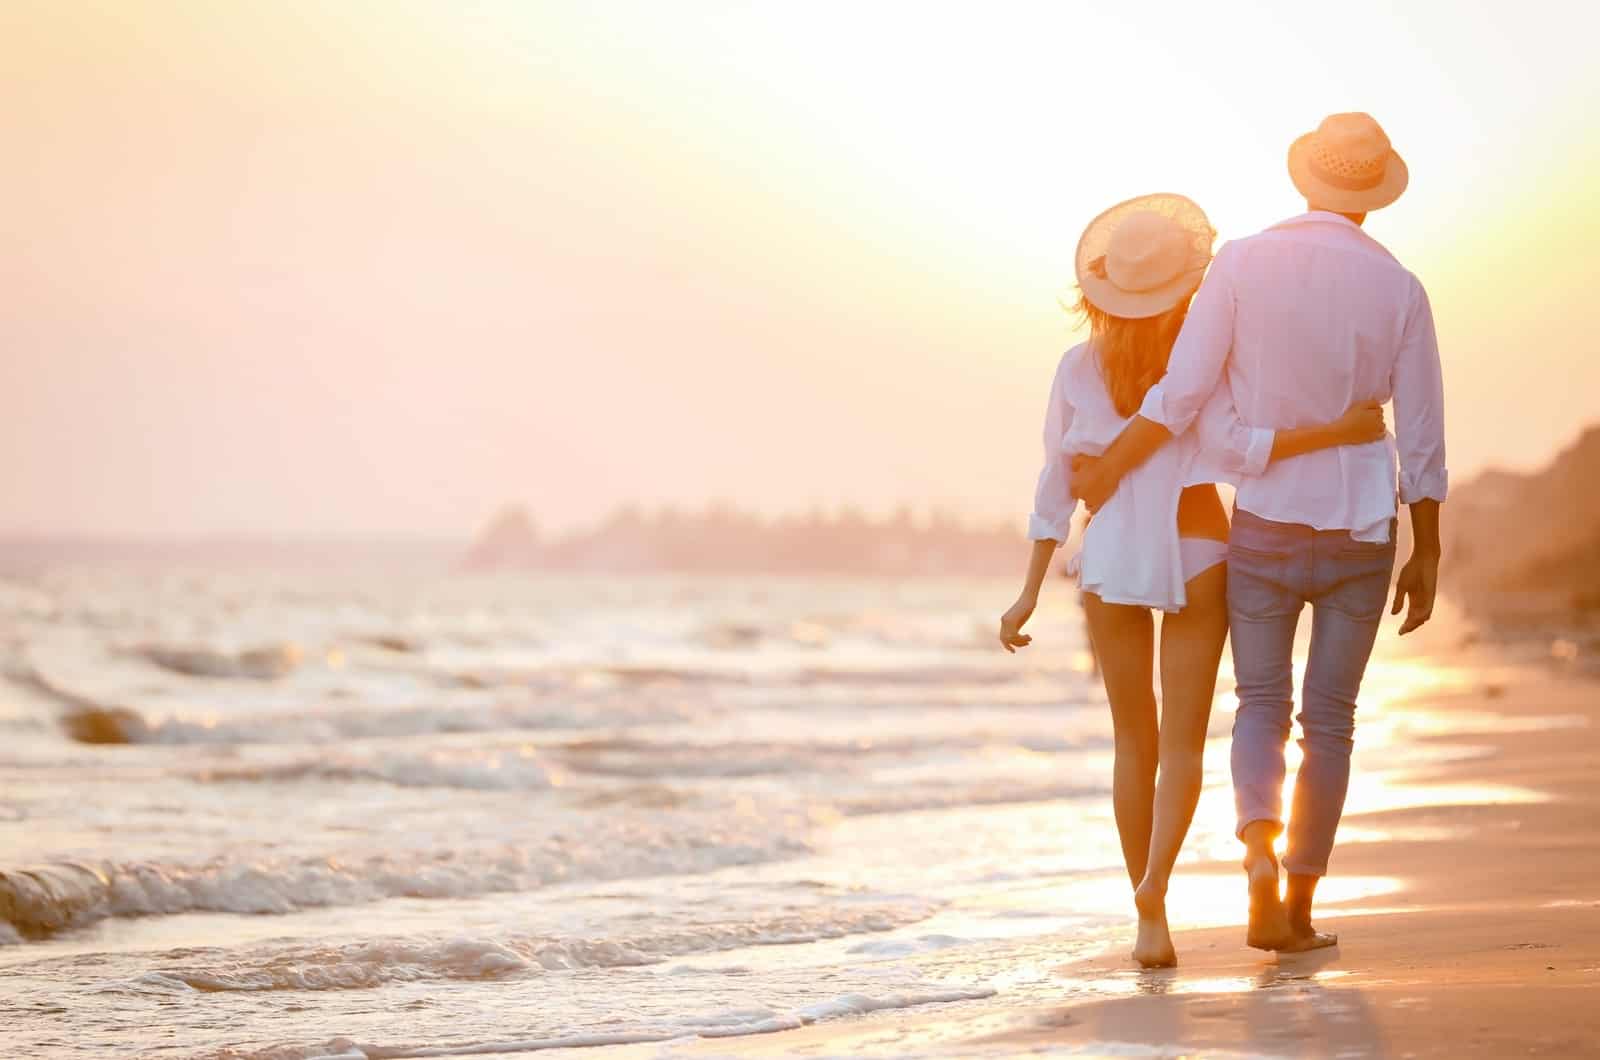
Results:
[1347, 165]
[1144, 256]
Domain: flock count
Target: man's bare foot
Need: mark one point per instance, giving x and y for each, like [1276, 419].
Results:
[1269, 922]
[1153, 947]
[1303, 938]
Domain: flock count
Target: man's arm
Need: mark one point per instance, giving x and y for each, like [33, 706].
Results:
[1242, 451]
[1419, 578]
[1424, 479]
[1095, 479]
[1193, 371]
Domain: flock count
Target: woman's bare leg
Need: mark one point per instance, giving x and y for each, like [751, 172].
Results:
[1191, 648]
[1124, 642]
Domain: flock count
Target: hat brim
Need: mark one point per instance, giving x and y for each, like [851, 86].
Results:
[1320, 193]
[1137, 305]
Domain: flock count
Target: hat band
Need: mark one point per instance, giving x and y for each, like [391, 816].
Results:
[1343, 182]
[1150, 283]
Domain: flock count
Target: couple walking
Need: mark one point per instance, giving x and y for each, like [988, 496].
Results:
[1269, 374]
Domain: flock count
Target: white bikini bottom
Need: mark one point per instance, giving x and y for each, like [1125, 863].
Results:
[1199, 554]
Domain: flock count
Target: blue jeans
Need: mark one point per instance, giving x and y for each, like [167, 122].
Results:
[1274, 570]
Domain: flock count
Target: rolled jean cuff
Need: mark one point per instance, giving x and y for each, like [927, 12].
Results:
[1248, 819]
[1298, 868]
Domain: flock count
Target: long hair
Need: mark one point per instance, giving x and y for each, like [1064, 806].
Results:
[1132, 353]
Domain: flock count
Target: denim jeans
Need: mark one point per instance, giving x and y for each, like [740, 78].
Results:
[1274, 570]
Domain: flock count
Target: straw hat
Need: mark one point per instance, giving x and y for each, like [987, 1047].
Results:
[1144, 256]
[1347, 165]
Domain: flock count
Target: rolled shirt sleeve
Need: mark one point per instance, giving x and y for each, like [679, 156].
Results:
[1239, 450]
[1419, 406]
[1053, 503]
[1195, 366]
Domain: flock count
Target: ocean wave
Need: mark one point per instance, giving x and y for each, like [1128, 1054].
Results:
[913, 798]
[732, 1023]
[41, 900]
[649, 760]
[626, 756]
[120, 725]
[644, 674]
[982, 673]
[87, 720]
[508, 770]
[375, 962]
[906, 947]
[266, 663]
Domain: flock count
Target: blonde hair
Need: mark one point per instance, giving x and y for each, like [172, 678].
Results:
[1132, 353]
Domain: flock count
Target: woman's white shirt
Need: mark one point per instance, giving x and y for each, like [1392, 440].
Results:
[1130, 552]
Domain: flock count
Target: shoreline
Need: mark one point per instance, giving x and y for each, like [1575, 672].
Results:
[1495, 897]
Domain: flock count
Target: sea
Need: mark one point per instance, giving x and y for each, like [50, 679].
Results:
[286, 814]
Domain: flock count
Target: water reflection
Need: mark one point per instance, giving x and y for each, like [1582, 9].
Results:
[1289, 1006]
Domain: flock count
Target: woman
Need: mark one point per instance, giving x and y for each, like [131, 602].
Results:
[1160, 542]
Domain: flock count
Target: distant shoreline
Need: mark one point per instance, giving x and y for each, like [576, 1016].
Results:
[24, 553]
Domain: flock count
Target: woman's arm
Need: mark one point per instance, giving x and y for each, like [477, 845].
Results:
[1011, 623]
[1361, 423]
[1246, 452]
[1053, 507]
[1053, 503]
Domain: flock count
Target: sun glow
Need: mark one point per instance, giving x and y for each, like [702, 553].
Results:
[714, 203]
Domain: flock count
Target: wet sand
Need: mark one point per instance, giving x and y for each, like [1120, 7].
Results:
[1491, 948]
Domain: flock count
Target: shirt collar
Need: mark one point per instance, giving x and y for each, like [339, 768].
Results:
[1335, 220]
[1319, 217]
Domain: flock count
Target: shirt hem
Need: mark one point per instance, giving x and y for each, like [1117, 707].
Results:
[1167, 605]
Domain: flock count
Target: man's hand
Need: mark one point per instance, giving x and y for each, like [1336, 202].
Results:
[1361, 423]
[1092, 480]
[1418, 581]
[1011, 623]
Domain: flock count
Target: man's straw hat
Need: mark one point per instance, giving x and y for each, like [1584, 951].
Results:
[1347, 165]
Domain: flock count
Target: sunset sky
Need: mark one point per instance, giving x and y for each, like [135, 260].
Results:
[301, 267]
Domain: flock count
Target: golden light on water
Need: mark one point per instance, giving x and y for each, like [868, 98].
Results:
[1400, 702]
[1201, 900]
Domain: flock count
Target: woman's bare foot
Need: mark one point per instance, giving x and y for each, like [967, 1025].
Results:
[1268, 928]
[1153, 947]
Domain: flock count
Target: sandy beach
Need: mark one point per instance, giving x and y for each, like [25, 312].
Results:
[1491, 947]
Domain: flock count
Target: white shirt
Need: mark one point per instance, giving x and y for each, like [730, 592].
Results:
[1130, 551]
[1297, 323]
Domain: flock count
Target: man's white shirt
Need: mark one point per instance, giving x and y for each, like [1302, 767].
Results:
[1299, 322]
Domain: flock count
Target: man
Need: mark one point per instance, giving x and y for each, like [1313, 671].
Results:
[1298, 322]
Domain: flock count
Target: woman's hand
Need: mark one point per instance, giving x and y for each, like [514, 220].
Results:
[1360, 424]
[1011, 623]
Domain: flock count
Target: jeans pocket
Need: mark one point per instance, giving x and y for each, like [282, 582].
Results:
[1362, 593]
[1354, 547]
[1261, 553]
[1365, 550]
[1255, 595]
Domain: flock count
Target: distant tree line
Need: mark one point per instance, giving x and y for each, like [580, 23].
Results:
[723, 538]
